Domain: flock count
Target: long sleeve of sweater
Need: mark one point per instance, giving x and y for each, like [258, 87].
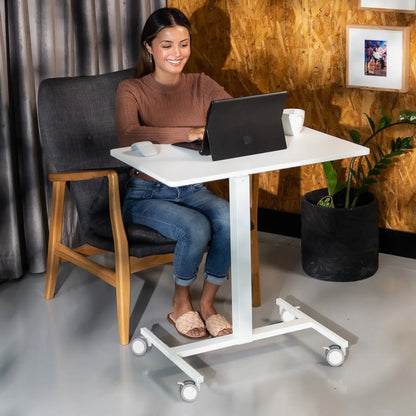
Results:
[147, 110]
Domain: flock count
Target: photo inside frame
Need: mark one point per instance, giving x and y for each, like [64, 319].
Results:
[375, 58]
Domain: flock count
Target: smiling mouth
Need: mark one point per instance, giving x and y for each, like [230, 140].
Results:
[175, 62]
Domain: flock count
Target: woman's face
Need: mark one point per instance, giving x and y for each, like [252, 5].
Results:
[171, 49]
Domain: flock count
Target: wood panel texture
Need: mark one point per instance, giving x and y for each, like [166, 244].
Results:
[299, 45]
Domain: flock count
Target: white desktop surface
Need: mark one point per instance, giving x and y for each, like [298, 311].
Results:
[176, 166]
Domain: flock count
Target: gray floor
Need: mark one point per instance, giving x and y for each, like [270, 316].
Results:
[62, 357]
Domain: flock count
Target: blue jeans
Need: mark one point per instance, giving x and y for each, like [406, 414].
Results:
[192, 216]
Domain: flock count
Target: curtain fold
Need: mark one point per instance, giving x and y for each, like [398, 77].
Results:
[41, 39]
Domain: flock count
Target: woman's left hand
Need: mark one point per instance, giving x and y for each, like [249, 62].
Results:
[196, 133]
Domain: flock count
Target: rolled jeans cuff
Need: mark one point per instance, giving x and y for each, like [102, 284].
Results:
[183, 282]
[215, 279]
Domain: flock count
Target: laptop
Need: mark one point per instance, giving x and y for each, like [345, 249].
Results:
[242, 126]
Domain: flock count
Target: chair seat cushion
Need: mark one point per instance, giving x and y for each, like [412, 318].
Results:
[143, 241]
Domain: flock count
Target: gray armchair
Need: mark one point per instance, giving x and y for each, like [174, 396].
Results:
[76, 122]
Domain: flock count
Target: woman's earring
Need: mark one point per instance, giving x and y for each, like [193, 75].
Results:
[150, 57]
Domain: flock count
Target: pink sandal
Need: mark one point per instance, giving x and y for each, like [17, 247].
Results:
[217, 323]
[187, 322]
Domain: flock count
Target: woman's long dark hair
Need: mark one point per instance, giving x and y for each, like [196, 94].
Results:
[157, 21]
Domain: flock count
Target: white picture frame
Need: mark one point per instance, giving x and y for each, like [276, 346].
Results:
[377, 57]
[402, 6]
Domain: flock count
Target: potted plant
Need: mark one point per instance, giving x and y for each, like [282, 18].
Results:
[340, 223]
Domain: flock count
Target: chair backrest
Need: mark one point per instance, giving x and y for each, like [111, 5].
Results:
[77, 120]
[77, 130]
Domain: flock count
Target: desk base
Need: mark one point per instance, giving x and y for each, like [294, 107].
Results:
[292, 320]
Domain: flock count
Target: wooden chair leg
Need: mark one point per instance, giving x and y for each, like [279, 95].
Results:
[122, 260]
[55, 236]
[123, 305]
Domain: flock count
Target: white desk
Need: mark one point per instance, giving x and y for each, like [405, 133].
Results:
[177, 166]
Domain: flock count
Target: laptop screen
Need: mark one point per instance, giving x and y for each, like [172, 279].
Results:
[247, 125]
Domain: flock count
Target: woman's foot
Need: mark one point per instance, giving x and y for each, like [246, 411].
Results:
[216, 324]
[187, 324]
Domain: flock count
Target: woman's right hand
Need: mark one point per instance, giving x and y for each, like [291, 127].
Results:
[196, 133]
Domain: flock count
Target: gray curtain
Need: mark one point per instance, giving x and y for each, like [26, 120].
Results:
[41, 39]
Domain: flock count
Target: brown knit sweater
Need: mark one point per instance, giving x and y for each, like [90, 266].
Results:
[148, 110]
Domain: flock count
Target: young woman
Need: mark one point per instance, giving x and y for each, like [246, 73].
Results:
[165, 105]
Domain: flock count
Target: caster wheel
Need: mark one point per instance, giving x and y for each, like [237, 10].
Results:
[335, 356]
[286, 316]
[139, 346]
[188, 391]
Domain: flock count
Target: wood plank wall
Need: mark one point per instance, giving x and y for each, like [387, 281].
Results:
[300, 46]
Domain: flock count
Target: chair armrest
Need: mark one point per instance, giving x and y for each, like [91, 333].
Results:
[117, 225]
[80, 175]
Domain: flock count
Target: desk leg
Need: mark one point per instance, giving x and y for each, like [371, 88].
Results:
[241, 258]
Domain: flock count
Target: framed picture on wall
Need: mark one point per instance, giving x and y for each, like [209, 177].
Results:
[408, 6]
[378, 57]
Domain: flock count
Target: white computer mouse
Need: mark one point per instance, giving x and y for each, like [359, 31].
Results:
[146, 148]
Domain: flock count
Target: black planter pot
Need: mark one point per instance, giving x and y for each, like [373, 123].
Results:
[339, 244]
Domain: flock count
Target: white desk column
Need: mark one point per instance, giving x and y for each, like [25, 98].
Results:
[240, 257]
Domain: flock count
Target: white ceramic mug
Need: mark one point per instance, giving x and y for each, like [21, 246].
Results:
[292, 120]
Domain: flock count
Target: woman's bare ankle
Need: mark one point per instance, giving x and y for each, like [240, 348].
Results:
[207, 310]
[181, 302]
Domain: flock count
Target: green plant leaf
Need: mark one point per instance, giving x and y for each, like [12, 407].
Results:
[332, 183]
[407, 116]
[380, 151]
[383, 122]
[372, 124]
[355, 136]
[328, 167]
[406, 143]
[331, 176]
[326, 202]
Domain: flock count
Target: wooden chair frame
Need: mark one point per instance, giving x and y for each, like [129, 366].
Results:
[125, 265]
